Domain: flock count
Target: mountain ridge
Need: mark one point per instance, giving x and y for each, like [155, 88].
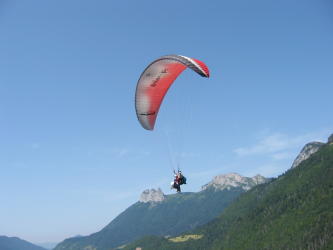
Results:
[293, 211]
[306, 152]
[230, 180]
[159, 214]
[15, 243]
[152, 200]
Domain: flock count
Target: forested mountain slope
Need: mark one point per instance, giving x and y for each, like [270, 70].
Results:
[294, 211]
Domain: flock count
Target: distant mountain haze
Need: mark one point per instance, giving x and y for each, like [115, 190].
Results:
[14, 243]
[166, 215]
[47, 245]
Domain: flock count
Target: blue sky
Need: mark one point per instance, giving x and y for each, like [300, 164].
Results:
[72, 153]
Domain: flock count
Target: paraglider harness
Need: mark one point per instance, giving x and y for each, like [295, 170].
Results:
[182, 178]
[179, 180]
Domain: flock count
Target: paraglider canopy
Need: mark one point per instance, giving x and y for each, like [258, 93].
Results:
[155, 81]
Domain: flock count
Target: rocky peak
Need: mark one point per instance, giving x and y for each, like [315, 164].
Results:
[259, 179]
[306, 152]
[330, 139]
[152, 195]
[233, 180]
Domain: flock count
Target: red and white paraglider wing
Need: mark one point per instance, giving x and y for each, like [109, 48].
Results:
[155, 81]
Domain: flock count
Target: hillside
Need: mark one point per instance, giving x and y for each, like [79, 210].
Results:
[292, 212]
[159, 214]
[14, 243]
